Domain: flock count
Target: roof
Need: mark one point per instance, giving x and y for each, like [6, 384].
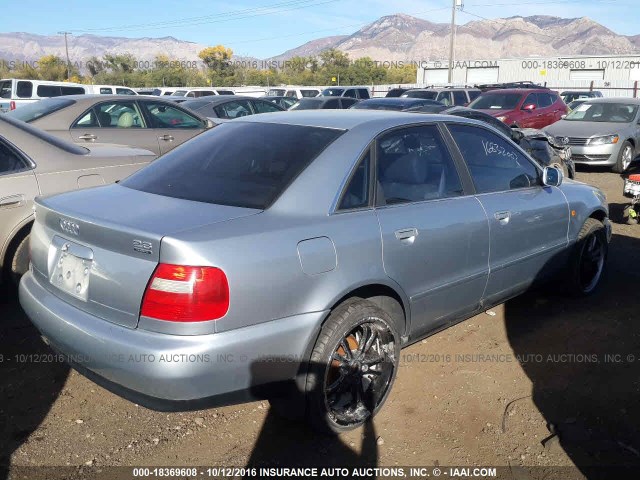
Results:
[345, 119]
[626, 100]
[517, 90]
[396, 100]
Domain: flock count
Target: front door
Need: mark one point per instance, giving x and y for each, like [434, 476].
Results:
[171, 125]
[528, 222]
[435, 239]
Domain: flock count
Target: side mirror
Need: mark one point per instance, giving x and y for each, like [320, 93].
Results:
[529, 107]
[552, 177]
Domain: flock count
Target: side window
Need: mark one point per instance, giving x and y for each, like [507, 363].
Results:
[264, 107]
[105, 91]
[544, 100]
[111, 115]
[356, 194]
[308, 93]
[347, 102]
[351, 93]
[9, 160]
[331, 103]
[190, 95]
[459, 97]
[473, 94]
[444, 97]
[125, 91]
[48, 91]
[234, 109]
[494, 164]
[24, 89]
[72, 91]
[290, 93]
[162, 115]
[363, 93]
[414, 165]
[532, 99]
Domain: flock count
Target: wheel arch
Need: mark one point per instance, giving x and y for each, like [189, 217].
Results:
[16, 234]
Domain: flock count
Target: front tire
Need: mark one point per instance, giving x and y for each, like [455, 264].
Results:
[588, 259]
[353, 366]
[625, 157]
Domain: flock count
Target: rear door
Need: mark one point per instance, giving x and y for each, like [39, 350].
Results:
[114, 121]
[528, 222]
[18, 188]
[170, 124]
[435, 237]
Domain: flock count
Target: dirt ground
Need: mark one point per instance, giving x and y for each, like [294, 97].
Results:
[490, 391]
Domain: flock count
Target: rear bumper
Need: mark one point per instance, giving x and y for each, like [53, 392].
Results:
[169, 372]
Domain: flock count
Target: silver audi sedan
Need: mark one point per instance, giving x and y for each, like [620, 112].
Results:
[297, 252]
[603, 131]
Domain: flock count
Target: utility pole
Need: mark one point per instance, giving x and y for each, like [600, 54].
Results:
[456, 4]
[66, 47]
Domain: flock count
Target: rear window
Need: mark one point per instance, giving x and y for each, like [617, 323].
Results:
[36, 110]
[24, 89]
[241, 164]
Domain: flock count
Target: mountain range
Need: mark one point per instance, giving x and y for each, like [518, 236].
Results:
[390, 38]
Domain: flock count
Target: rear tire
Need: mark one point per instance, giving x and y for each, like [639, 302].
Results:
[17, 260]
[588, 259]
[625, 157]
[352, 368]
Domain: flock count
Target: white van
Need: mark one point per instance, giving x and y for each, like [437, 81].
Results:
[197, 92]
[16, 92]
[110, 90]
[295, 92]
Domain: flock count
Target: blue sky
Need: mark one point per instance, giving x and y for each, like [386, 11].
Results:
[262, 28]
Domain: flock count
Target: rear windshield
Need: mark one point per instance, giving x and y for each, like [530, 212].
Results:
[496, 101]
[428, 94]
[242, 164]
[5, 88]
[33, 111]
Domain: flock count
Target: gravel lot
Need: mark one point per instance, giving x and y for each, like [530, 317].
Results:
[489, 391]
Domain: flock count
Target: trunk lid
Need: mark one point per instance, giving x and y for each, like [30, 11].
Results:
[98, 248]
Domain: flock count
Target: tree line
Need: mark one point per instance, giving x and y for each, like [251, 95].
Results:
[217, 68]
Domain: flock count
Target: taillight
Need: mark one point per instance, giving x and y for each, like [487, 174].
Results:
[179, 293]
[12, 105]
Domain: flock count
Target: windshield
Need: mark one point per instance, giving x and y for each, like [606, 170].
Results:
[496, 101]
[36, 110]
[306, 104]
[276, 92]
[332, 92]
[603, 112]
[428, 94]
[242, 164]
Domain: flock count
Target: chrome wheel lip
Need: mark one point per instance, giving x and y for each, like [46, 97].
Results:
[360, 368]
[593, 252]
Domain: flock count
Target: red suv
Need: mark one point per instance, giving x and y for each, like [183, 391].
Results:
[522, 107]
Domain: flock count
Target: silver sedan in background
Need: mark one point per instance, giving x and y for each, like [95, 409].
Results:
[603, 131]
[32, 163]
[297, 252]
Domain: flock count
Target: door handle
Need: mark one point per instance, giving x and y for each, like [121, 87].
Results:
[502, 217]
[12, 201]
[166, 138]
[88, 136]
[407, 235]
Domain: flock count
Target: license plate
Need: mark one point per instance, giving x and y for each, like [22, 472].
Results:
[71, 273]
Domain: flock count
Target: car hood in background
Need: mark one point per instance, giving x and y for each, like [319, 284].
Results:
[585, 129]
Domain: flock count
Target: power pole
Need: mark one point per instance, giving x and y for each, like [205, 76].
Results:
[456, 4]
[66, 47]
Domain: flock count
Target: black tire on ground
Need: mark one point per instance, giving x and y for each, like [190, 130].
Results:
[17, 260]
[627, 217]
[588, 259]
[352, 368]
[620, 166]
